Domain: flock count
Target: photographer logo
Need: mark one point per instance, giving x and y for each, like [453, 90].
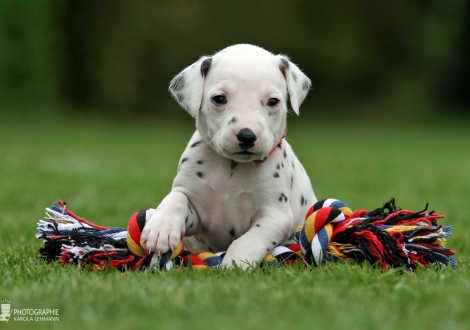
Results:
[5, 316]
[27, 314]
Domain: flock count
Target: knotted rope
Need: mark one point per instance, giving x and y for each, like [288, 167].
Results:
[386, 237]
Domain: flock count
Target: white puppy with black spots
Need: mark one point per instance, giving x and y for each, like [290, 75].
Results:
[239, 186]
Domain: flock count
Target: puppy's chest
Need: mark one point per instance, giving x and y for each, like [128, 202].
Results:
[225, 190]
[229, 196]
[217, 185]
[215, 182]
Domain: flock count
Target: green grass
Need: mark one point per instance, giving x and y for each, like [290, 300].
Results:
[106, 170]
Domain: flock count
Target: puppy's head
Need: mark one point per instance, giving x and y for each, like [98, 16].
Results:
[239, 99]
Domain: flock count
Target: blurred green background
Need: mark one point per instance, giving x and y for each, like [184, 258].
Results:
[85, 116]
[367, 59]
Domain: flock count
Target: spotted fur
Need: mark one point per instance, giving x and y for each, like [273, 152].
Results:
[246, 196]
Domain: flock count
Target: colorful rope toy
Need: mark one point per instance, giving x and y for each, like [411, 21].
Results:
[387, 237]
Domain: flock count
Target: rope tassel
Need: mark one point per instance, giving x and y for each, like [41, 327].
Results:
[387, 237]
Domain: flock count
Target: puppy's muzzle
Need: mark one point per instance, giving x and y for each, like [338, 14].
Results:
[247, 138]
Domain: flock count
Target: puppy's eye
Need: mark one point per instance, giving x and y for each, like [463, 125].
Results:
[272, 102]
[219, 99]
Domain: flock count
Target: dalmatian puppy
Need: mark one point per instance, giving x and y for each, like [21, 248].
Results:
[239, 186]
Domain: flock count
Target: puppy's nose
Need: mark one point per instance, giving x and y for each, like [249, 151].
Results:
[246, 137]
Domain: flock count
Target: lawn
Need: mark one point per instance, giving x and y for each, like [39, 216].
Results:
[106, 170]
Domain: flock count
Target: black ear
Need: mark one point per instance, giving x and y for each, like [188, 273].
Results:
[298, 84]
[188, 85]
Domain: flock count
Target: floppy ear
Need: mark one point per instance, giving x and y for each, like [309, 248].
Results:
[187, 86]
[298, 84]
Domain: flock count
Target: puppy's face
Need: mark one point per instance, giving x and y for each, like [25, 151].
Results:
[243, 108]
[239, 99]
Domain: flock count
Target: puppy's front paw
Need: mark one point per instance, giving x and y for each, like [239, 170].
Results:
[230, 263]
[162, 233]
[240, 255]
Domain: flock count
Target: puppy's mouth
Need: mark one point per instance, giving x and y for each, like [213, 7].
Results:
[245, 156]
[245, 153]
[241, 155]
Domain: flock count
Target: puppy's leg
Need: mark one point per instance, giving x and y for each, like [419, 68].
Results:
[172, 219]
[266, 233]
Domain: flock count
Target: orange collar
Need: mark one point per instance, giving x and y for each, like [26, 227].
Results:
[278, 145]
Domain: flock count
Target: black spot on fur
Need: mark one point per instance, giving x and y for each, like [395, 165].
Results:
[282, 197]
[233, 165]
[273, 243]
[200, 174]
[177, 84]
[302, 199]
[294, 76]
[201, 161]
[285, 62]
[285, 154]
[185, 159]
[180, 97]
[278, 167]
[279, 146]
[191, 225]
[291, 180]
[190, 209]
[258, 225]
[306, 85]
[262, 103]
[232, 232]
[186, 221]
[205, 65]
[195, 144]
[233, 120]
[276, 175]
[282, 164]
